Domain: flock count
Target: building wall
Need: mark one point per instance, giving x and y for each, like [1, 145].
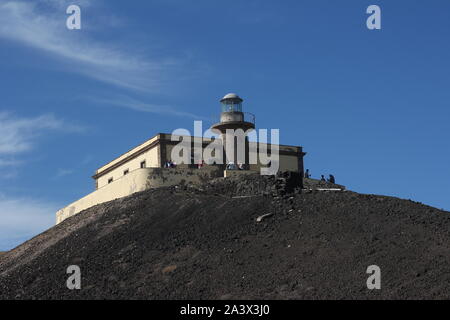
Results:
[289, 163]
[127, 154]
[168, 153]
[139, 180]
[153, 176]
[168, 145]
[126, 185]
[151, 158]
[289, 157]
[158, 150]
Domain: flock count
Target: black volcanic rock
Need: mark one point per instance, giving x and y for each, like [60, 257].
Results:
[205, 243]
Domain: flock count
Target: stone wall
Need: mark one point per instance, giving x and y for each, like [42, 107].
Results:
[255, 184]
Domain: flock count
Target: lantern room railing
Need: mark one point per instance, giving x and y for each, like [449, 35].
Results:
[249, 117]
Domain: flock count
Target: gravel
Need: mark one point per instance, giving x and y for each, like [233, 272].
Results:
[205, 242]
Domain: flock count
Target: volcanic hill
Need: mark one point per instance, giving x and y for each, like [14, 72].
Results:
[207, 242]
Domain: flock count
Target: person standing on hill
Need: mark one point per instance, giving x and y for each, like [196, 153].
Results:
[307, 175]
[332, 179]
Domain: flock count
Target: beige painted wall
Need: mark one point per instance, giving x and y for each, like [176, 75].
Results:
[133, 182]
[127, 154]
[287, 162]
[138, 180]
[151, 158]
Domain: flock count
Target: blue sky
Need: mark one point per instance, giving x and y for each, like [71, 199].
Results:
[370, 107]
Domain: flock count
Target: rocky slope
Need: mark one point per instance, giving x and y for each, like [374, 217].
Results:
[206, 243]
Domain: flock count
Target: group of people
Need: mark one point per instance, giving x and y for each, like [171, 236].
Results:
[229, 166]
[170, 164]
[331, 178]
[233, 166]
[240, 166]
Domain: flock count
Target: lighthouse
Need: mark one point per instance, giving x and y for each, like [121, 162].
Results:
[233, 127]
[143, 167]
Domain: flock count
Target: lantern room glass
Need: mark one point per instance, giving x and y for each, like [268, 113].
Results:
[231, 106]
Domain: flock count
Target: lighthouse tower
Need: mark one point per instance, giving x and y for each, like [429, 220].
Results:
[231, 119]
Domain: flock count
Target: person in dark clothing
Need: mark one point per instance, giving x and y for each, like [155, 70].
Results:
[323, 178]
[307, 175]
[332, 180]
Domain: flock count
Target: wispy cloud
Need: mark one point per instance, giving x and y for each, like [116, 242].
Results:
[22, 218]
[18, 135]
[63, 172]
[42, 25]
[136, 105]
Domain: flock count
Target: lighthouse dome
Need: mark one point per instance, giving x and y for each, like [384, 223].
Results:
[231, 96]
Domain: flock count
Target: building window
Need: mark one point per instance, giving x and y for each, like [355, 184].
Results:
[126, 172]
[110, 180]
[143, 164]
